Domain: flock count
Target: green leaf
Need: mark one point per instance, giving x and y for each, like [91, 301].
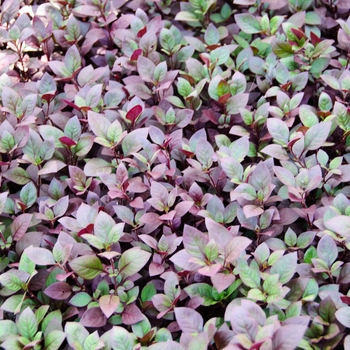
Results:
[25, 264]
[73, 28]
[103, 225]
[185, 53]
[278, 130]
[17, 175]
[211, 250]
[76, 335]
[327, 309]
[94, 241]
[28, 194]
[248, 23]
[7, 329]
[327, 250]
[290, 238]
[249, 276]
[54, 339]
[167, 40]
[80, 299]
[285, 267]
[319, 65]
[325, 102]
[211, 35]
[271, 285]
[87, 266]
[54, 316]
[220, 55]
[72, 59]
[213, 87]
[203, 290]
[310, 254]
[91, 341]
[47, 84]
[14, 303]
[294, 309]
[256, 294]
[311, 290]
[307, 116]
[132, 261]
[120, 339]
[147, 292]
[239, 84]
[282, 49]
[160, 72]
[186, 16]
[316, 136]
[183, 87]
[27, 324]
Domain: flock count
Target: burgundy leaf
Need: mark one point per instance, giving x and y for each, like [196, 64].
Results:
[134, 113]
[135, 55]
[67, 141]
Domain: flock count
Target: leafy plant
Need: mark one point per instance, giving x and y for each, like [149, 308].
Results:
[174, 175]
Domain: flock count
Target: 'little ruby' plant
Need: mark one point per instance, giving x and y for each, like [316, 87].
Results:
[174, 175]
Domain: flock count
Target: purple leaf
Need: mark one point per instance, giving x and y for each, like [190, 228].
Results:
[131, 314]
[235, 247]
[288, 337]
[93, 317]
[221, 281]
[40, 256]
[195, 242]
[20, 225]
[190, 321]
[327, 250]
[59, 291]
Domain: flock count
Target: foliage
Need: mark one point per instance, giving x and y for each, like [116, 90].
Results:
[174, 174]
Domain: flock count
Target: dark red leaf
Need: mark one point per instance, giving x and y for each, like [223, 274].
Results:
[48, 97]
[70, 104]
[213, 47]
[88, 229]
[223, 99]
[134, 113]
[298, 33]
[345, 299]
[135, 55]
[141, 32]
[67, 141]
[314, 38]
[187, 153]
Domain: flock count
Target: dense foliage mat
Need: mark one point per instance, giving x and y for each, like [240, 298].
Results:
[175, 174]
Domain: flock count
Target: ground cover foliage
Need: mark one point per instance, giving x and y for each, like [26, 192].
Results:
[175, 175]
